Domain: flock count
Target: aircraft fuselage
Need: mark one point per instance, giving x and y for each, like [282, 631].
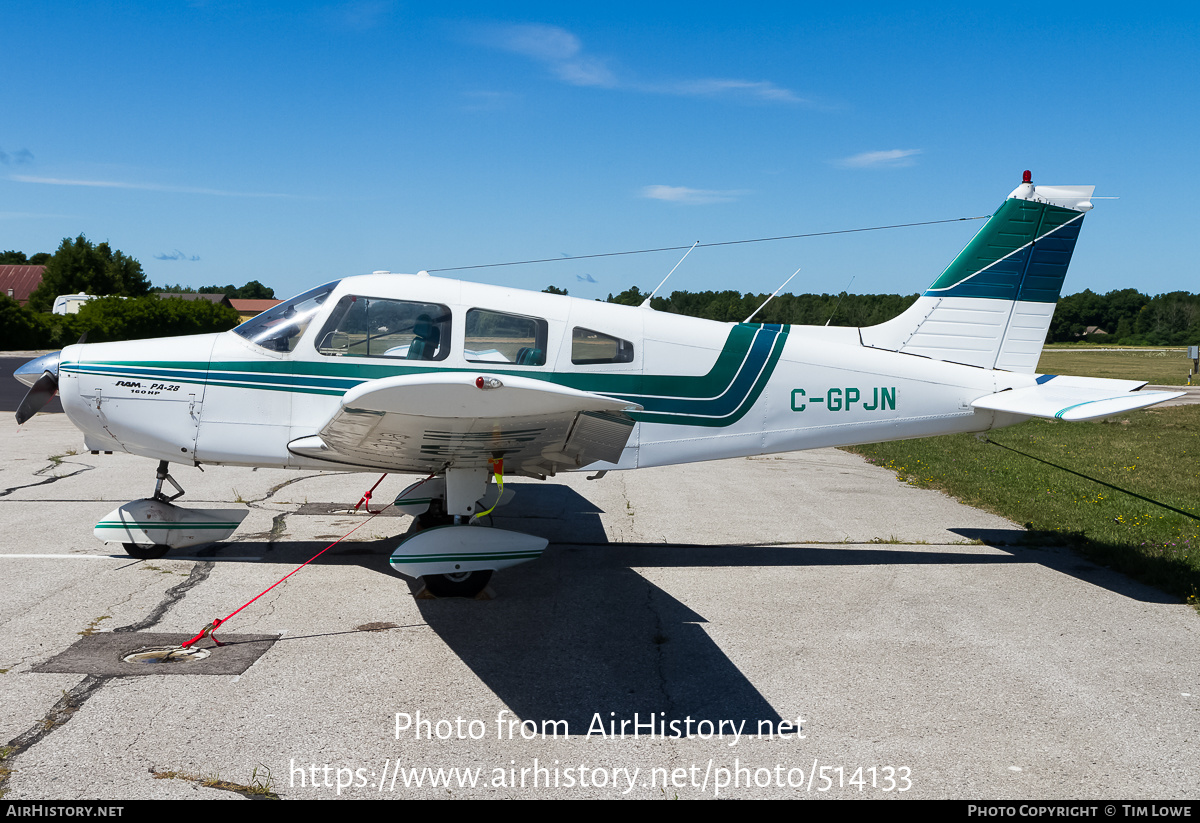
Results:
[707, 390]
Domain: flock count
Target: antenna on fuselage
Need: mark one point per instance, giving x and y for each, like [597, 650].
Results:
[646, 302]
[772, 297]
[839, 302]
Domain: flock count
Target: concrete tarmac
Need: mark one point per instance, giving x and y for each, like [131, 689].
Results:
[799, 626]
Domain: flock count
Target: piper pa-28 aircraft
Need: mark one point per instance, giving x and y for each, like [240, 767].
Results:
[466, 382]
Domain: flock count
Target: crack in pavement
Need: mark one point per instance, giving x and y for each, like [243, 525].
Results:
[200, 573]
[59, 714]
[48, 480]
[72, 701]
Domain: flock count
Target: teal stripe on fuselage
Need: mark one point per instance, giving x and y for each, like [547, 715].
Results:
[718, 398]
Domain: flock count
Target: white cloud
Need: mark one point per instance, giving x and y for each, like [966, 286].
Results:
[362, 15]
[549, 43]
[117, 184]
[559, 50]
[689, 197]
[563, 54]
[760, 90]
[890, 159]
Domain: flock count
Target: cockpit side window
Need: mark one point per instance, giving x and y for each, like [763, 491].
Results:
[281, 327]
[379, 327]
[499, 337]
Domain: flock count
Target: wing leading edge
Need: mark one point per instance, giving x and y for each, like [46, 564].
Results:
[428, 422]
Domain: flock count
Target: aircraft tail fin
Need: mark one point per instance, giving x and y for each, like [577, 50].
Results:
[993, 304]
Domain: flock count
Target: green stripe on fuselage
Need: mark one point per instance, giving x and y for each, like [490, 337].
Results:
[718, 398]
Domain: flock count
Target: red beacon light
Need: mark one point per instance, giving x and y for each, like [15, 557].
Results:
[1027, 177]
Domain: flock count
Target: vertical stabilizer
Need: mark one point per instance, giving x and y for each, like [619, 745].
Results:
[992, 305]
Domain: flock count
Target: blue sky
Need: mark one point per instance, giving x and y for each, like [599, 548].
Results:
[295, 143]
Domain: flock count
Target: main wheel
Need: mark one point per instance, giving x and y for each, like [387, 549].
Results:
[459, 584]
[145, 552]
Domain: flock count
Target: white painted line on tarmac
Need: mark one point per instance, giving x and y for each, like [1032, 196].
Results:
[117, 557]
[57, 556]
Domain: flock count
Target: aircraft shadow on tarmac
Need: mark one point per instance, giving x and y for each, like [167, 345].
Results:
[580, 633]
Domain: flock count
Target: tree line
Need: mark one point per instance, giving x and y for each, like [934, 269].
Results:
[1130, 318]
[126, 307]
[1126, 316]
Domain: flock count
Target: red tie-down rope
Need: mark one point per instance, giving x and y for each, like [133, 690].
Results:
[366, 498]
[217, 622]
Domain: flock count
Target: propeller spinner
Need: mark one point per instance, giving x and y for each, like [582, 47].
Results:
[41, 375]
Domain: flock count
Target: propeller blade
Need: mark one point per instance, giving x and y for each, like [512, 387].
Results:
[38, 396]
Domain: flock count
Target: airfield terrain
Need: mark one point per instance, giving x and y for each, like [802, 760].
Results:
[918, 643]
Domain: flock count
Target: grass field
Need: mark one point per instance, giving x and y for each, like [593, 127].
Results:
[1124, 491]
[1159, 367]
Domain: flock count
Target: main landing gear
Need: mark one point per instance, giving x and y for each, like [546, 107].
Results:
[457, 584]
[450, 550]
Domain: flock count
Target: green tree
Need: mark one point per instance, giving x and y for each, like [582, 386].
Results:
[115, 319]
[555, 290]
[251, 291]
[630, 297]
[80, 266]
[256, 291]
[18, 258]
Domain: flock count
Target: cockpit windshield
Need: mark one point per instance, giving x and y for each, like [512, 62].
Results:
[280, 328]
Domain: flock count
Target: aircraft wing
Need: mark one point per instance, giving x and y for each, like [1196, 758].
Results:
[1074, 398]
[426, 422]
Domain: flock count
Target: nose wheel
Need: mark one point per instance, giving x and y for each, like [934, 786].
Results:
[457, 584]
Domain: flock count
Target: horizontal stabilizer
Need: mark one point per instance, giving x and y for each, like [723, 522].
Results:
[1068, 398]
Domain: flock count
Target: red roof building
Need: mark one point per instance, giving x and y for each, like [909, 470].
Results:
[18, 282]
[247, 308]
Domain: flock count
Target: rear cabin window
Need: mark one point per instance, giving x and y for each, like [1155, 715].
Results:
[498, 337]
[589, 348]
[378, 327]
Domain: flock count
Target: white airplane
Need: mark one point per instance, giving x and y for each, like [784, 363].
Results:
[467, 382]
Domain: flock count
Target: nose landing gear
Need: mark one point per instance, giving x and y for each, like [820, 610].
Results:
[148, 528]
